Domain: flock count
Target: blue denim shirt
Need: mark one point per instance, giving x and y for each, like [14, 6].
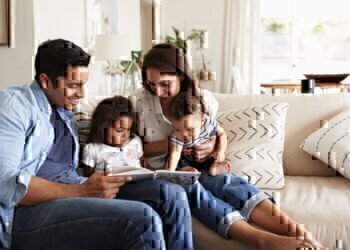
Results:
[26, 137]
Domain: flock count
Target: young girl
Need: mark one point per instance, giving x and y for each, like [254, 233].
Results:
[193, 125]
[112, 138]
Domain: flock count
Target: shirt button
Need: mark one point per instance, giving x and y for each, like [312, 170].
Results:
[43, 155]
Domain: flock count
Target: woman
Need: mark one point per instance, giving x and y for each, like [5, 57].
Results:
[165, 74]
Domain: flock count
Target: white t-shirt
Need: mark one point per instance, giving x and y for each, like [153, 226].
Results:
[154, 126]
[95, 154]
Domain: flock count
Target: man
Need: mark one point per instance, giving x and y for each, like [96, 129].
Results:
[44, 204]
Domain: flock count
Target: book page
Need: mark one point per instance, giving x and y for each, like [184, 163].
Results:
[136, 174]
[182, 178]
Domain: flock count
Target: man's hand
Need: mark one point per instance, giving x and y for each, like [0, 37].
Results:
[188, 169]
[101, 186]
[203, 151]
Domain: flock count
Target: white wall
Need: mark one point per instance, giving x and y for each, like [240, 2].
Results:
[203, 14]
[16, 63]
[129, 20]
[39, 20]
[60, 19]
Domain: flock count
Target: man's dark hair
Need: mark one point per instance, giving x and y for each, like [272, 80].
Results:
[108, 111]
[187, 103]
[55, 56]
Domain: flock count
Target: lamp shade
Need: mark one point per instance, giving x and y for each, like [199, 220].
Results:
[113, 47]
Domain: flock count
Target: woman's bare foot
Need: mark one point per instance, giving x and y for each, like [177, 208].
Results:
[220, 168]
[277, 242]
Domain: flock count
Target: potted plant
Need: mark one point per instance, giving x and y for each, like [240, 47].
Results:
[177, 40]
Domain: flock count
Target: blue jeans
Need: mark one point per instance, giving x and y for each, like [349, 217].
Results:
[231, 197]
[236, 191]
[92, 223]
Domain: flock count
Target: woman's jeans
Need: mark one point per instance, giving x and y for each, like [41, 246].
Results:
[93, 223]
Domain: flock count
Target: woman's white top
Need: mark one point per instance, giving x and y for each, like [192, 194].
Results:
[96, 154]
[154, 126]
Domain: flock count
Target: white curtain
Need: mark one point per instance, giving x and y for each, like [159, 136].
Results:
[241, 58]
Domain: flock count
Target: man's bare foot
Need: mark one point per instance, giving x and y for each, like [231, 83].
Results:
[220, 168]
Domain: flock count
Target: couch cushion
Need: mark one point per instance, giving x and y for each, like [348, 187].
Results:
[331, 143]
[303, 117]
[322, 204]
[255, 142]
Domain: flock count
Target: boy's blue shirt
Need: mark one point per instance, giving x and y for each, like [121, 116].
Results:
[26, 137]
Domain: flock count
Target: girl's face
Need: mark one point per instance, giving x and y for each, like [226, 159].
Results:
[164, 86]
[118, 132]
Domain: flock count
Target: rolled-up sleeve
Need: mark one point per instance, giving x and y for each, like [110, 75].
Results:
[14, 122]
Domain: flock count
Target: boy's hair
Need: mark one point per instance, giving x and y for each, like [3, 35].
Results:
[107, 111]
[55, 56]
[187, 103]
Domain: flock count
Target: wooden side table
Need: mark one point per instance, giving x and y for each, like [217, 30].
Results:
[295, 87]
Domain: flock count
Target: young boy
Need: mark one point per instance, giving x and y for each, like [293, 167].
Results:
[192, 125]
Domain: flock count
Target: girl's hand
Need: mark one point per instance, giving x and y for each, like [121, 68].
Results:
[188, 169]
[203, 151]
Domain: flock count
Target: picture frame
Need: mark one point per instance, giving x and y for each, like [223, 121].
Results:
[7, 23]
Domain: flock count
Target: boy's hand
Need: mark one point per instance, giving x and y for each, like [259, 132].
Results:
[201, 152]
[101, 186]
[219, 156]
[188, 169]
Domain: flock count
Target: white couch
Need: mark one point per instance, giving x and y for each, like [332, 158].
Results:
[314, 194]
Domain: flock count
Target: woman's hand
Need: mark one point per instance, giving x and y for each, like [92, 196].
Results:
[203, 151]
[188, 169]
[101, 186]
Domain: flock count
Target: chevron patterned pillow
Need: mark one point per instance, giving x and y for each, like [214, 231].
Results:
[331, 143]
[255, 143]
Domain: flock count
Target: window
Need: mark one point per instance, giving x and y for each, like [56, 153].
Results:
[299, 37]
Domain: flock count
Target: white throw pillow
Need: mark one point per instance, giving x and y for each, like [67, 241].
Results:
[331, 143]
[255, 143]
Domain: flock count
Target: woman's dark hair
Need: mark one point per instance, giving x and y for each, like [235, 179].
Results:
[55, 56]
[168, 59]
[186, 103]
[107, 111]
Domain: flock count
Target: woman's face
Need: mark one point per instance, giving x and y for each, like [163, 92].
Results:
[118, 133]
[163, 85]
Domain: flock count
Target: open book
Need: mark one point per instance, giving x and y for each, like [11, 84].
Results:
[182, 178]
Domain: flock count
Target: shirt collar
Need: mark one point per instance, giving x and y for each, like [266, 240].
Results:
[41, 98]
[44, 103]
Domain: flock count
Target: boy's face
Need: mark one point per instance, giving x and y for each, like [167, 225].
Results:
[188, 128]
[69, 89]
[119, 132]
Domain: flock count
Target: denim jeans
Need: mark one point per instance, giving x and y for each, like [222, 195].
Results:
[93, 223]
[236, 191]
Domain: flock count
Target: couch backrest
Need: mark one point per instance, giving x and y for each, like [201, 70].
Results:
[304, 116]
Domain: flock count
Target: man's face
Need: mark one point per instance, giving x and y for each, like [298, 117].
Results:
[69, 90]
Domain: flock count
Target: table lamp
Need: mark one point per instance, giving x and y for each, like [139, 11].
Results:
[113, 48]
